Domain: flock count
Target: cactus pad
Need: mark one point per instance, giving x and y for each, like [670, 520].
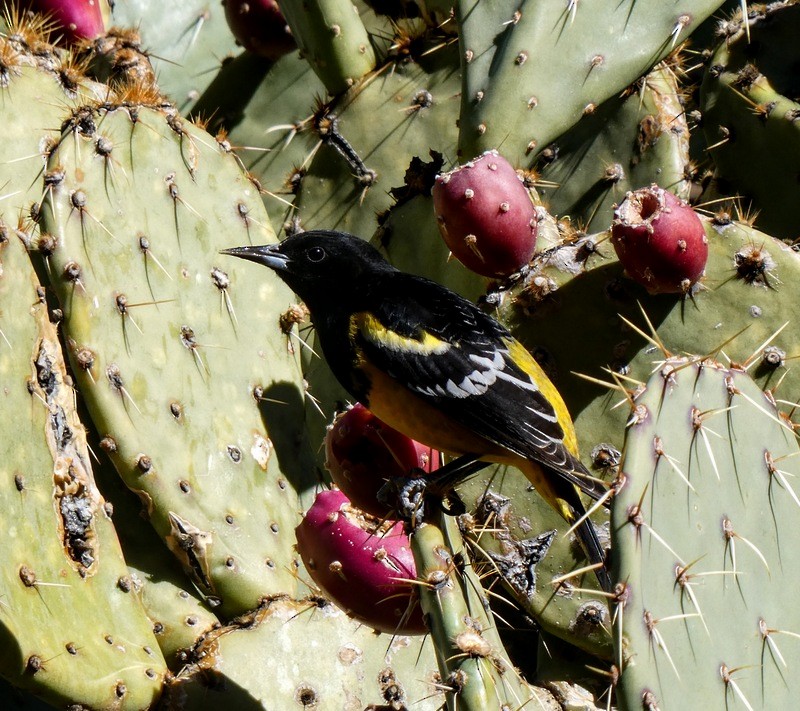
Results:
[701, 526]
[72, 630]
[306, 654]
[188, 378]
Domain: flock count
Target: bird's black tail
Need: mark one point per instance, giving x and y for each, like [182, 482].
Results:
[591, 545]
[562, 494]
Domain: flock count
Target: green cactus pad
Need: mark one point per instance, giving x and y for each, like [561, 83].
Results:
[305, 654]
[37, 91]
[702, 523]
[630, 142]
[531, 71]
[178, 352]
[415, 106]
[71, 631]
[473, 663]
[332, 36]
[751, 115]
[176, 611]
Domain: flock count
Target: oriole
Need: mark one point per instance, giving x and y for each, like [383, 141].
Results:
[434, 366]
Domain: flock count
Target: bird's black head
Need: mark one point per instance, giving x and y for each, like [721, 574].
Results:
[319, 265]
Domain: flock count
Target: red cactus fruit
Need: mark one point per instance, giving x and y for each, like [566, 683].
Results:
[363, 565]
[660, 241]
[259, 26]
[363, 452]
[73, 20]
[486, 216]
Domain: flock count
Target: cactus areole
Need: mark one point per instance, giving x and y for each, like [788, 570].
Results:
[660, 241]
[363, 564]
[362, 452]
[486, 215]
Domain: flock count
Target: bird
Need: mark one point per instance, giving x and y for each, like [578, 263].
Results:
[434, 366]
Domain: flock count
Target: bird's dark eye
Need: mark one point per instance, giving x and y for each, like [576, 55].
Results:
[316, 254]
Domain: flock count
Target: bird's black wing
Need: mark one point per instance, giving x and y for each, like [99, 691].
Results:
[466, 364]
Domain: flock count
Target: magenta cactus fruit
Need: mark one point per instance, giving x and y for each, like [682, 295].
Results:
[486, 215]
[364, 565]
[259, 26]
[73, 20]
[660, 241]
[362, 452]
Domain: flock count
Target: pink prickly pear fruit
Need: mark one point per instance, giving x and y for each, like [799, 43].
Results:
[486, 216]
[362, 452]
[259, 26]
[72, 20]
[364, 565]
[660, 241]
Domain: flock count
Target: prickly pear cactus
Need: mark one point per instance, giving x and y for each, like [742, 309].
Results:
[305, 654]
[196, 391]
[705, 605]
[72, 629]
[516, 61]
[750, 108]
[192, 386]
[629, 142]
[474, 669]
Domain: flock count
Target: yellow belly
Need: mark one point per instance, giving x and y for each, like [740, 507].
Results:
[400, 408]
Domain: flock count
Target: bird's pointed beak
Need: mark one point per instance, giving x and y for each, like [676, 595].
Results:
[269, 255]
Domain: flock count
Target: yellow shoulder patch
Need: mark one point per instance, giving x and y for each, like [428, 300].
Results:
[370, 328]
